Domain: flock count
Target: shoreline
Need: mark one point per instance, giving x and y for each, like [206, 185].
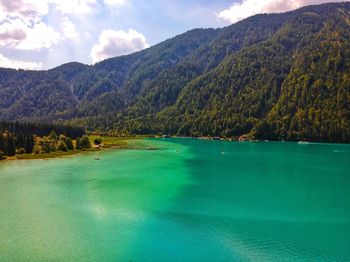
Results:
[123, 143]
[117, 143]
[235, 139]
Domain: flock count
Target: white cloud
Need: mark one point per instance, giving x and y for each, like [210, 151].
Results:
[27, 10]
[16, 64]
[16, 34]
[68, 29]
[22, 26]
[75, 6]
[35, 25]
[116, 43]
[34, 10]
[246, 8]
[115, 2]
[8, 35]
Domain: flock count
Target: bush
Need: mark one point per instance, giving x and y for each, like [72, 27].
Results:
[37, 149]
[62, 146]
[21, 151]
[77, 143]
[46, 146]
[69, 143]
[53, 135]
[63, 138]
[83, 143]
[1, 155]
[98, 141]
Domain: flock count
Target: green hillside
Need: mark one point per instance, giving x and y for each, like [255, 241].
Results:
[277, 76]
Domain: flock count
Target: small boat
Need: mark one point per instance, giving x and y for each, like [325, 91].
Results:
[96, 158]
[303, 143]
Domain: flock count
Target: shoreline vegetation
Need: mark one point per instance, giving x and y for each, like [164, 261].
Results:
[103, 142]
[20, 140]
[25, 141]
[106, 143]
[123, 143]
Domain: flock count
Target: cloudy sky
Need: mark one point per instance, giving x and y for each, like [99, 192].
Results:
[42, 34]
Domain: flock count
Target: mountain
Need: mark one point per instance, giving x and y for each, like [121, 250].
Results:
[273, 76]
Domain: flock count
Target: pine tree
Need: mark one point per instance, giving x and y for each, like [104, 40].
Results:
[69, 143]
[29, 144]
[2, 144]
[11, 148]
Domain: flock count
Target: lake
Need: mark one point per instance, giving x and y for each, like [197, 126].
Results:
[190, 200]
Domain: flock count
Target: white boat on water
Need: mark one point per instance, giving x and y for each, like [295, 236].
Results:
[303, 143]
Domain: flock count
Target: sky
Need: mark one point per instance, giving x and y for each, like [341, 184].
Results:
[42, 34]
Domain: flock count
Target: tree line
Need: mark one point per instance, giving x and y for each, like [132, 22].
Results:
[28, 138]
[10, 144]
[41, 129]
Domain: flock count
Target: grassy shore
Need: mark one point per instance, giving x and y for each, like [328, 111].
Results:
[45, 155]
[115, 142]
[107, 142]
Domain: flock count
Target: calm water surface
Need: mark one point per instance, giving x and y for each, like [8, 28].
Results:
[188, 201]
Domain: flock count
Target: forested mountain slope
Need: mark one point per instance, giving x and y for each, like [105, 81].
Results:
[277, 76]
[73, 89]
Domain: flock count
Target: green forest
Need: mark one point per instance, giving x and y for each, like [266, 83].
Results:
[271, 76]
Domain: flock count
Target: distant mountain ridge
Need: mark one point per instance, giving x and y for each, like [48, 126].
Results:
[273, 76]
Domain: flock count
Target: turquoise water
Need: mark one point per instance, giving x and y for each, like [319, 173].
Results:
[190, 200]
